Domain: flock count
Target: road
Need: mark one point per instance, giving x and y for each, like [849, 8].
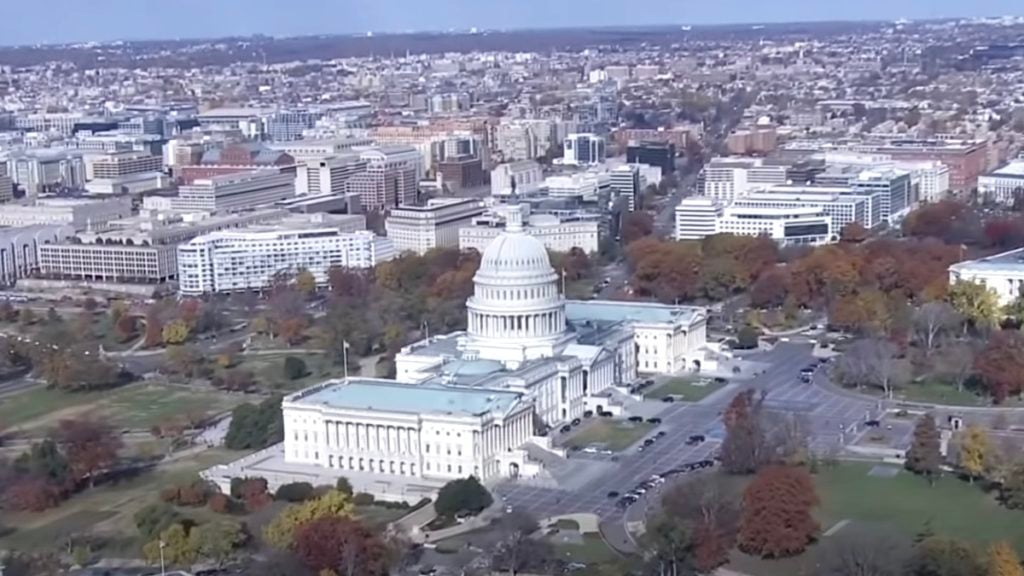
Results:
[831, 419]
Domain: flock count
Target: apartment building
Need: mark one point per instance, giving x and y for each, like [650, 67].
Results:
[420, 229]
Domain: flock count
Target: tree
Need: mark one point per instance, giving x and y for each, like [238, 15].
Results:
[944, 557]
[872, 362]
[924, 456]
[462, 495]
[252, 491]
[344, 486]
[175, 332]
[342, 545]
[865, 552]
[696, 524]
[186, 360]
[1011, 491]
[90, 446]
[777, 519]
[748, 338]
[294, 368]
[45, 461]
[217, 541]
[305, 282]
[516, 551]
[853, 232]
[294, 492]
[33, 494]
[932, 320]
[280, 532]
[125, 327]
[743, 449]
[636, 225]
[975, 454]
[175, 545]
[976, 303]
[1001, 364]
[956, 363]
[154, 330]
[1003, 560]
[769, 290]
[154, 519]
[255, 427]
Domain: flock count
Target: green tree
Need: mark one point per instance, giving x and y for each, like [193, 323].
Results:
[281, 530]
[1011, 492]
[305, 282]
[944, 557]
[217, 541]
[255, 427]
[975, 302]
[294, 368]
[155, 518]
[178, 548]
[924, 456]
[462, 495]
[747, 338]
[344, 486]
[175, 332]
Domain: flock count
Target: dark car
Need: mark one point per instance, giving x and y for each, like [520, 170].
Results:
[588, 413]
[566, 428]
[613, 494]
[695, 439]
[576, 421]
[661, 434]
[654, 420]
[636, 418]
[720, 380]
[668, 399]
[649, 441]
[605, 414]
[872, 423]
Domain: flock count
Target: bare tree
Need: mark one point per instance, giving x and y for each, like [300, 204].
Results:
[957, 362]
[789, 439]
[861, 552]
[931, 320]
[516, 551]
[873, 362]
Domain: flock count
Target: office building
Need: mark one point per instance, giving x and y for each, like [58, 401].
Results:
[288, 125]
[235, 159]
[115, 263]
[757, 140]
[307, 150]
[234, 192]
[459, 172]
[895, 186]
[660, 154]
[328, 175]
[1004, 185]
[1003, 274]
[420, 229]
[628, 183]
[6, 189]
[74, 212]
[523, 177]
[788, 225]
[44, 170]
[19, 248]
[583, 150]
[250, 259]
[696, 218]
[726, 179]
[585, 186]
[122, 164]
[554, 233]
[391, 178]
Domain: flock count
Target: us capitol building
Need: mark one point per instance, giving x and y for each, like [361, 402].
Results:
[468, 402]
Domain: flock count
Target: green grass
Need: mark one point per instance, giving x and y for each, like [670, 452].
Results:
[613, 435]
[107, 509]
[685, 389]
[593, 551]
[938, 392]
[905, 502]
[137, 406]
[269, 370]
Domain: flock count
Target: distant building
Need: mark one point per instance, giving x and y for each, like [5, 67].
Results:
[234, 159]
[789, 224]
[628, 183]
[1004, 185]
[328, 175]
[41, 170]
[461, 172]
[524, 176]
[420, 229]
[726, 179]
[250, 259]
[234, 192]
[554, 233]
[19, 248]
[697, 218]
[391, 178]
[660, 154]
[77, 213]
[583, 150]
[758, 140]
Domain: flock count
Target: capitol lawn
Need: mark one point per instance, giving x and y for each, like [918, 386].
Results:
[615, 435]
[686, 389]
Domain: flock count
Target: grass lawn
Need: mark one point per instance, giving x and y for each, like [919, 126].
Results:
[136, 406]
[269, 370]
[614, 435]
[685, 388]
[108, 509]
[938, 392]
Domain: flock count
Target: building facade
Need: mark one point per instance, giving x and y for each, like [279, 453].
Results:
[420, 229]
[1003, 274]
[583, 150]
[1005, 185]
[235, 192]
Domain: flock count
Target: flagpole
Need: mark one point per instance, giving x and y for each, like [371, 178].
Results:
[344, 356]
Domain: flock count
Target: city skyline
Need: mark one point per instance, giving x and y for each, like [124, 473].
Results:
[64, 21]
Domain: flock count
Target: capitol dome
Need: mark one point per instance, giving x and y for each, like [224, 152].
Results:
[515, 294]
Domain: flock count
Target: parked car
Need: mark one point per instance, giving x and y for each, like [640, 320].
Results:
[695, 439]
[636, 419]
[613, 494]
[588, 413]
[576, 421]
[654, 420]
[566, 428]
[668, 399]
[605, 414]
[648, 441]
[661, 434]
[872, 423]
[720, 380]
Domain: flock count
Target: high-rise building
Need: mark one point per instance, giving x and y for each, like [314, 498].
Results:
[391, 178]
[696, 218]
[726, 179]
[328, 175]
[461, 172]
[420, 229]
[628, 183]
[122, 164]
[660, 154]
[896, 191]
[583, 150]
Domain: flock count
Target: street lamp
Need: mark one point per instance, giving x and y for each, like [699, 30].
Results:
[163, 571]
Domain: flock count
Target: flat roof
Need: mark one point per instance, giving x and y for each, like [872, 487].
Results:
[1015, 168]
[1007, 261]
[390, 396]
[612, 311]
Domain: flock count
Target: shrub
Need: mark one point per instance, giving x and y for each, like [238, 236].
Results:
[220, 504]
[344, 486]
[363, 499]
[294, 368]
[295, 492]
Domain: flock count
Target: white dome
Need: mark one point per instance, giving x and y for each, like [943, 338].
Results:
[515, 254]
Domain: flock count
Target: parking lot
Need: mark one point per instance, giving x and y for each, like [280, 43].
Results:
[831, 419]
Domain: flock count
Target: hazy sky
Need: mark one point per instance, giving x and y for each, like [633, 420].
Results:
[32, 21]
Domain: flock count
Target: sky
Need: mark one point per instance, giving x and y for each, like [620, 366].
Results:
[57, 21]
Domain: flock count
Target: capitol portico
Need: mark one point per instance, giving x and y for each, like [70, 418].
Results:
[468, 402]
